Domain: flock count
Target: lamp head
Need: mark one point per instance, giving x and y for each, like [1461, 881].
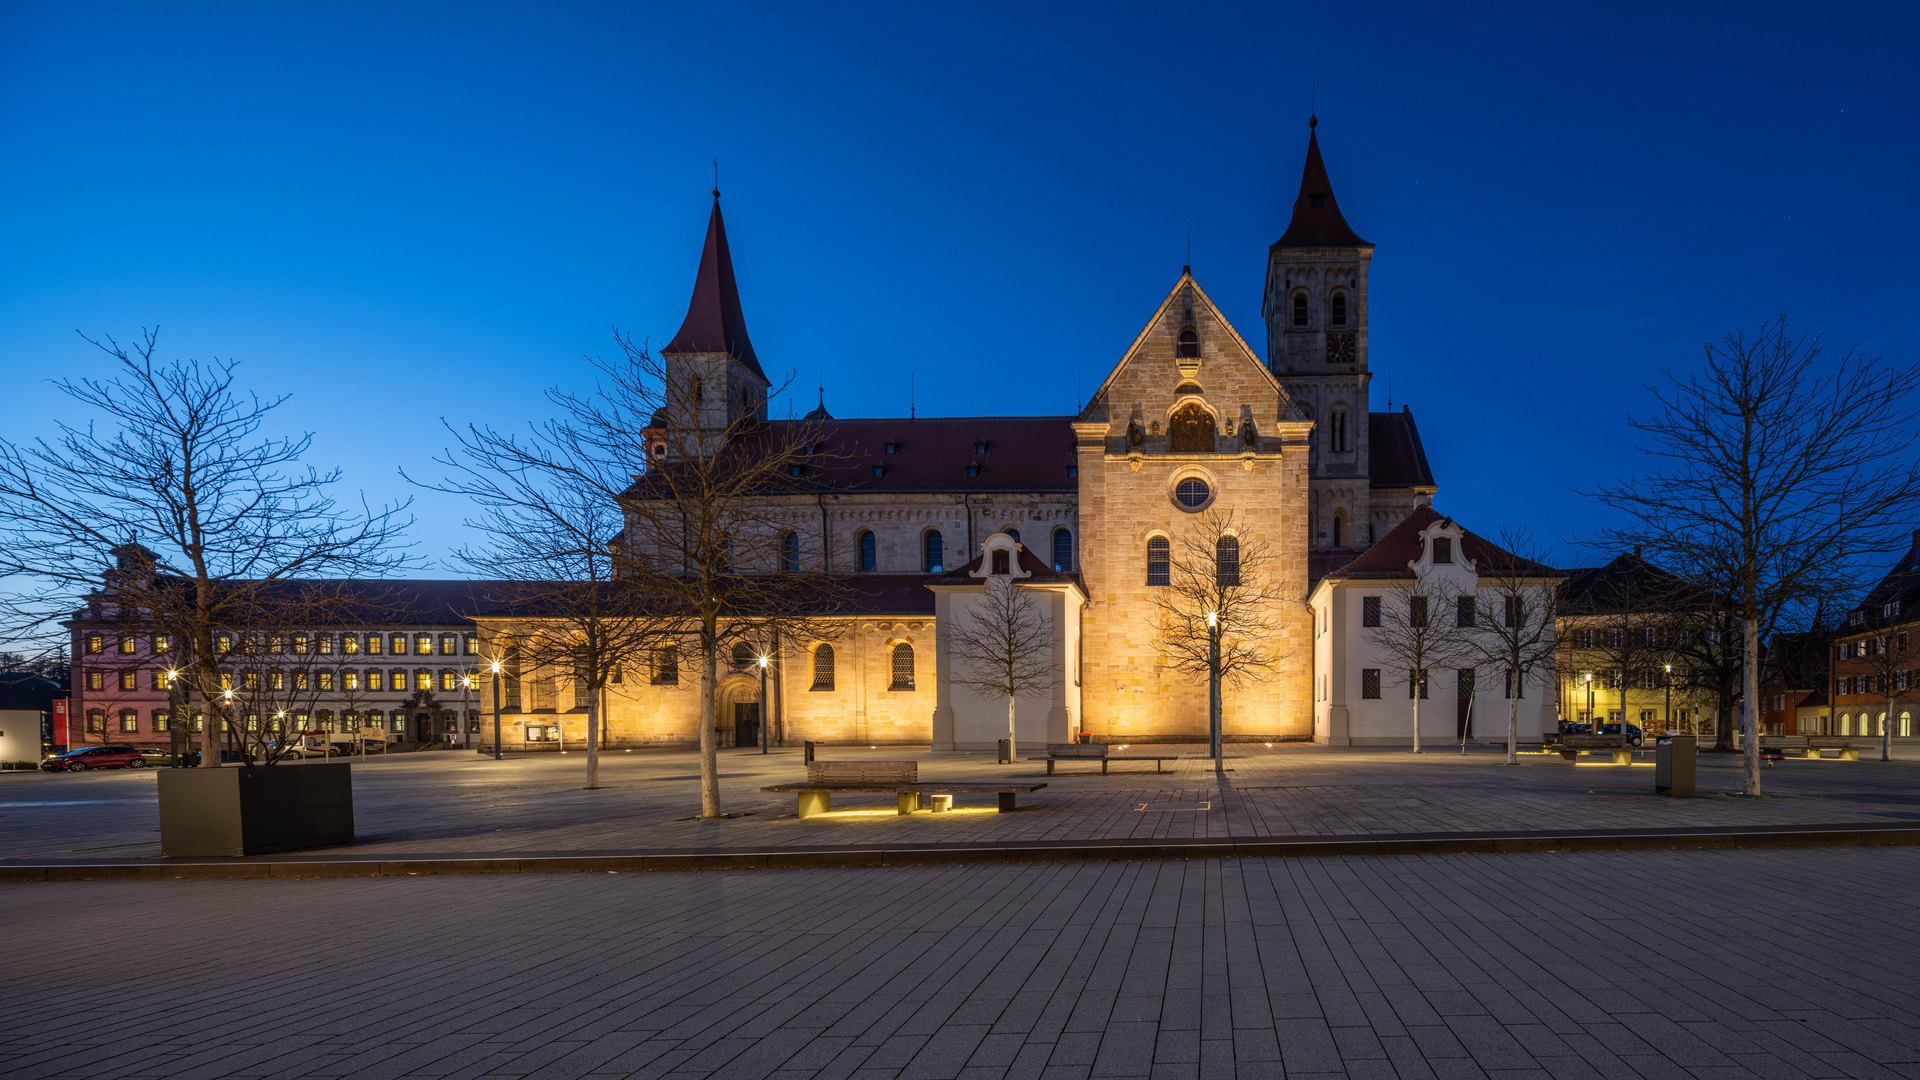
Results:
[1213, 618]
[763, 661]
[494, 666]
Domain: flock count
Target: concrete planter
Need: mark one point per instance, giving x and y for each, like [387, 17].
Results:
[255, 809]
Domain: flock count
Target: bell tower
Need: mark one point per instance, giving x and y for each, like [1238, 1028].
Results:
[713, 378]
[1316, 312]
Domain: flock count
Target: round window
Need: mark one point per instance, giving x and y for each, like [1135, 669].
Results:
[1192, 494]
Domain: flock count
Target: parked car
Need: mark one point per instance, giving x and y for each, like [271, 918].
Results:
[95, 757]
[227, 757]
[156, 756]
[1634, 735]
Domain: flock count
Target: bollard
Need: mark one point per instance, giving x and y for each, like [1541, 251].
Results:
[1673, 761]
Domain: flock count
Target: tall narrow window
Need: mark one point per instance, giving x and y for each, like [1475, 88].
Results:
[1369, 611]
[869, 551]
[1189, 343]
[666, 664]
[1463, 612]
[1370, 682]
[790, 553]
[1338, 520]
[1002, 562]
[1442, 549]
[1416, 611]
[823, 668]
[1159, 556]
[933, 552]
[1515, 611]
[1339, 314]
[1299, 309]
[1063, 550]
[902, 667]
[1337, 431]
[1226, 561]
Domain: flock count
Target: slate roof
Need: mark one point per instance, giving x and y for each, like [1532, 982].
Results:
[1395, 455]
[1628, 583]
[392, 602]
[714, 322]
[1389, 556]
[1317, 226]
[1901, 583]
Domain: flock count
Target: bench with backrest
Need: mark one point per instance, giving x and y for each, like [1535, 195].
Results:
[825, 779]
[1099, 752]
[1573, 745]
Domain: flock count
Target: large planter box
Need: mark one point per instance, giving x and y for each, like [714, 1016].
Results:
[255, 809]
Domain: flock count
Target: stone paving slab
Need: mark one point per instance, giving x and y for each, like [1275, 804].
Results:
[457, 803]
[1619, 964]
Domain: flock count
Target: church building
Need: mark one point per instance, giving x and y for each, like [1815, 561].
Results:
[1084, 510]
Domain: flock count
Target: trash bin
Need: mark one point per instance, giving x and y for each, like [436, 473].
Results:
[1006, 751]
[1673, 759]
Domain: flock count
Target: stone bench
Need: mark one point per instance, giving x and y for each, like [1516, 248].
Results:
[1097, 752]
[1572, 746]
[817, 798]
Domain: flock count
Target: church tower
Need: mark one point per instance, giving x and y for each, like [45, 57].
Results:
[1316, 310]
[712, 373]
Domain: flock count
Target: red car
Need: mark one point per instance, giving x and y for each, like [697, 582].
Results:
[95, 757]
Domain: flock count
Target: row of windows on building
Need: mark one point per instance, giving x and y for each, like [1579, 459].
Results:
[1464, 681]
[128, 722]
[1646, 637]
[1226, 561]
[360, 644]
[1867, 724]
[1873, 684]
[1336, 309]
[1653, 678]
[666, 665]
[933, 550]
[1466, 611]
[323, 681]
[1876, 646]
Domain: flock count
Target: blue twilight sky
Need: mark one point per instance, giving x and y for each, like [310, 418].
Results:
[403, 212]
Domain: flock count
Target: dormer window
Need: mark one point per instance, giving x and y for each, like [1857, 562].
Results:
[1299, 309]
[1890, 609]
[973, 470]
[1189, 343]
[1339, 314]
[879, 471]
[1002, 562]
[980, 447]
[1442, 550]
[796, 470]
[808, 449]
[889, 447]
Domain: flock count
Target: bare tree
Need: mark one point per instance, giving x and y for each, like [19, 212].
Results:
[1417, 636]
[177, 495]
[1704, 648]
[1774, 480]
[655, 517]
[1220, 588]
[1518, 626]
[1003, 646]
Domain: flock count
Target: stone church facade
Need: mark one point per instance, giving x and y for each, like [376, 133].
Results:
[1192, 418]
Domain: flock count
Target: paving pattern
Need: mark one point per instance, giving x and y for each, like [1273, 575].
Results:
[460, 803]
[1779, 963]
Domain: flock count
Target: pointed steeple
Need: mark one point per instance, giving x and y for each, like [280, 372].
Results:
[714, 322]
[1316, 214]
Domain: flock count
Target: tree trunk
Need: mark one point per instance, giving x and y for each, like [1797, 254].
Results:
[709, 740]
[1886, 725]
[1013, 747]
[1416, 714]
[593, 738]
[1513, 723]
[1750, 693]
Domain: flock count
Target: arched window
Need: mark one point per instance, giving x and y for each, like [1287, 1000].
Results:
[934, 552]
[790, 553]
[1300, 309]
[869, 550]
[1159, 555]
[902, 667]
[1226, 561]
[1189, 343]
[1339, 313]
[1015, 533]
[1338, 520]
[1337, 431]
[823, 668]
[1190, 430]
[1063, 550]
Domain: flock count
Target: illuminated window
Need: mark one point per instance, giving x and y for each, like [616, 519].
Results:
[96, 680]
[823, 668]
[449, 644]
[223, 643]
[399, 678]
[902, 667]
[129, 722]
[449, 680]
[129, 680]
[325, 677]
[349, 680]
[97, 722]
[162, 681]
[278, 681]
[423, 644]
[96, 643]
[162, 722]
[126, 643]
[162, 643]
[396, 644]
[374, 678]
[470, 644]
[250, 680]
[1159, 559]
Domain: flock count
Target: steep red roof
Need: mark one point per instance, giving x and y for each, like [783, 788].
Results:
[1388, 557]
[1038, 572]
[714, 322]
[1316, 213]
[1396, 457]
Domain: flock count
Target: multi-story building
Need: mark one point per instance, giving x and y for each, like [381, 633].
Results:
[1874, 654]
[1640, 646]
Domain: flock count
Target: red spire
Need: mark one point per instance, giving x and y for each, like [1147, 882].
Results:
[714, 323]
[1316, 215]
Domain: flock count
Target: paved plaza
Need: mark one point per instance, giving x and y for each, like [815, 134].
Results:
[1779, 963]
[460, 803]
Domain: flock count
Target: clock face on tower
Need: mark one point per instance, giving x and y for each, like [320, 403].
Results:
[1340, 348]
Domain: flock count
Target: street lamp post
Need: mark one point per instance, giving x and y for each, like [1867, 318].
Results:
[1669, 697]
[466, 690]
[1213, 688]
[763, 704]
[495, 667]
[1593, 724]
